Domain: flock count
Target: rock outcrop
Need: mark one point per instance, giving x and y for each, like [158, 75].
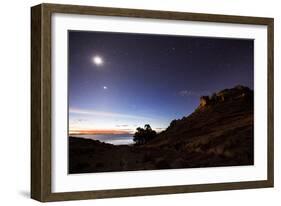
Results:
[225, 95]
[204, 100]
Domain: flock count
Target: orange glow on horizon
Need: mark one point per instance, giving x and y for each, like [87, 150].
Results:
[72, 132]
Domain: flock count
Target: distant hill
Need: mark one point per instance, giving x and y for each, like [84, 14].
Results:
[218, 133]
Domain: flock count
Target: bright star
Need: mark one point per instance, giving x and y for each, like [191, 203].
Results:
[98, 60]
[104, 87]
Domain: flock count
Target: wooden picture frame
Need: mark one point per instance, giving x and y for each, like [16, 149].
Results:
[41, 117]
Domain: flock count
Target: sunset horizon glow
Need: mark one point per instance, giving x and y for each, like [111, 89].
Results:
[96, 132]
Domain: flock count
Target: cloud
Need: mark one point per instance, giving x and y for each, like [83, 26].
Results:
[81, 120]
[189, 93]
[122, 125]
[104, 114]
[185, 93]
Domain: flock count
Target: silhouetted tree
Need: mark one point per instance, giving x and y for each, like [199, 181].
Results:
[147, 127]
[138, 136]
[144, 135]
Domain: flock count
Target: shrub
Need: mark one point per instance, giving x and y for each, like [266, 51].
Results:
[143, 135]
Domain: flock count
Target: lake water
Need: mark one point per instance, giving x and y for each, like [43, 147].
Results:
[116, 139]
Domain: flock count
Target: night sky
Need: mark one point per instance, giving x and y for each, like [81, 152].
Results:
[119, 81]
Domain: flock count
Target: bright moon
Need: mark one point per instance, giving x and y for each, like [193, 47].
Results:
[104, 87]
[97, 60]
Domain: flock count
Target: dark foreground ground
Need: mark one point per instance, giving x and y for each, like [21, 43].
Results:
[218, 133]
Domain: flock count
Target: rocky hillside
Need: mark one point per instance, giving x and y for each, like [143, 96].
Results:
[218, 133]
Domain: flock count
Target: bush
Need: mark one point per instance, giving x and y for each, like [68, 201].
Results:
[144, 135]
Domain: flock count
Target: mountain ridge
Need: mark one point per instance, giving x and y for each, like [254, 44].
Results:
[234, 100]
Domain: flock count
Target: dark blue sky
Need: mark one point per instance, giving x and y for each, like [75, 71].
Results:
[119, 81]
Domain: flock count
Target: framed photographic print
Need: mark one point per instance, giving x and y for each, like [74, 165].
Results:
[132, 102]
